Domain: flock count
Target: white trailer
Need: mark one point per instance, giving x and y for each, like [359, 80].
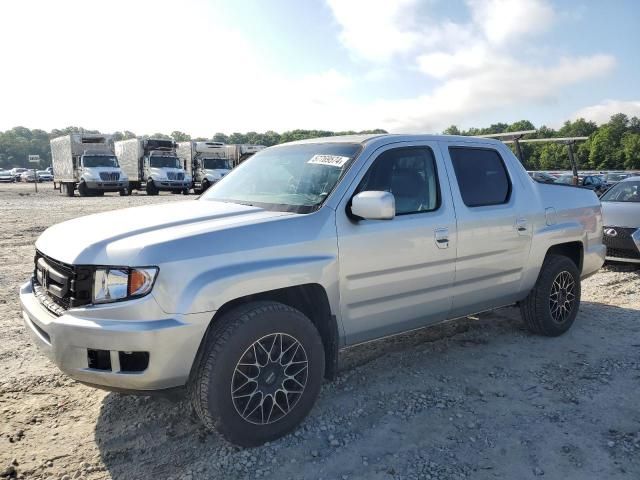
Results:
[87, 162]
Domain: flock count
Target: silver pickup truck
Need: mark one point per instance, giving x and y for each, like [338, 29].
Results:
[246, 296]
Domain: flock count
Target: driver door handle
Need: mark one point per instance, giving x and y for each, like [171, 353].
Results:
[441, 236]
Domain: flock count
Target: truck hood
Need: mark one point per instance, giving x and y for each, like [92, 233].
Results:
[621, 214]
[120, 237]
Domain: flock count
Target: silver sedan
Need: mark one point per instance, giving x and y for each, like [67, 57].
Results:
[621, 219]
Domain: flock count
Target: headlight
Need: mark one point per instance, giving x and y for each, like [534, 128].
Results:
[113, 284]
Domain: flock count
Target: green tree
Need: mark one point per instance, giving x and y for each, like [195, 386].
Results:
[452, 130]
[631, 149]
[577, 128]
[220, 137]
[554, 156]
[179, 136]
[520, 126]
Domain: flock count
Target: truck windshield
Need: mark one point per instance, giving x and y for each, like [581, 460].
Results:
[289, 178]
[216, 164]
[99, 161]
[628, 191]
[158, 161]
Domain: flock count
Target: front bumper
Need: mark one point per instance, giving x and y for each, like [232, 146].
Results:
[168, 185]
[171, 340]
[108, 186]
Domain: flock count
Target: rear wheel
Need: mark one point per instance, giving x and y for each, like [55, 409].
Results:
[204, 185]
[259, 373]
[551, 307]
[185, 191]
[69, 189]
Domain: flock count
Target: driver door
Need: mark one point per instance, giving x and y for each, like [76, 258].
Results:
[397, 274]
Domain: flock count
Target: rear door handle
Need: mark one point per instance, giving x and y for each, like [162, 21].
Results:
[441, 236]
[521, 225]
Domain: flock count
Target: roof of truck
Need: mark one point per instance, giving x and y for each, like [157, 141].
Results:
[397, 137]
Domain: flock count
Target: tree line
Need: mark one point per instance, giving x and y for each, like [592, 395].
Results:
[614, 145]
[18, 143]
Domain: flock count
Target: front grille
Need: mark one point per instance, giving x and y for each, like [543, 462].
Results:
[623, 253]
[175, 175]
[60, 286]
[109, 176]
[622, 233]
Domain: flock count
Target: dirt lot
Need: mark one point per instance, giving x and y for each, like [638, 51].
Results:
[475, 398]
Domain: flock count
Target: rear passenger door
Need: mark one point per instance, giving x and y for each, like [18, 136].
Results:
[494, 236]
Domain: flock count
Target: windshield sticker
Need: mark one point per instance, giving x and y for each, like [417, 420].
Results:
[331, 160]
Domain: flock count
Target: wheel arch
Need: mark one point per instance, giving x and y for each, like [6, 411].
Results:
[311, 299]
[572, 250]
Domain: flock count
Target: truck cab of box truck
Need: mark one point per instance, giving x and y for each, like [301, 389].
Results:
[208, 162]
[87, 162]
[154, 165]
[99, 171]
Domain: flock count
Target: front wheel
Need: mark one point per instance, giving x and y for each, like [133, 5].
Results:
[151, 188]
[551, 307]
[259, 373]
[83, 190]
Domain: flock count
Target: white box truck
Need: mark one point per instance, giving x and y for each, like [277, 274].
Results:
[152, 165]
[87, 162]
[208, 162]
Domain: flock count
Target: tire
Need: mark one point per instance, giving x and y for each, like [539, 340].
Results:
[185, 191]
[151, 188]
[83, 190]
[69, 189]
[204, 185]
[217, 375]
[542, 310]
[123, 192]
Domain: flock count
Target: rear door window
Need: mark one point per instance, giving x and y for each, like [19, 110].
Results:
[481, 175]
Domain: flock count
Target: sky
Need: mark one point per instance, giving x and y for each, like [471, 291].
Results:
[413, 66]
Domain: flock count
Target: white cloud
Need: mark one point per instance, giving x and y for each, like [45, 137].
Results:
[492, 89]
[477, 64]
[376, 29]
[111, 69]
[504, 20]
[601, 113]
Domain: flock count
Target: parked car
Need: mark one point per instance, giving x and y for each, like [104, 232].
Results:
[44, 176]
[621, 218]
[27, 176]
[6, 176]
[614, 177]
[318, 245]
[17, 172]
[542, 177]
[592, 182]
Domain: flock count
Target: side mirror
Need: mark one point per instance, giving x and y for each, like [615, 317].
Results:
[374, 205]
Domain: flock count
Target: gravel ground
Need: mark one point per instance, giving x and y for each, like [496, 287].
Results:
[473, 398]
